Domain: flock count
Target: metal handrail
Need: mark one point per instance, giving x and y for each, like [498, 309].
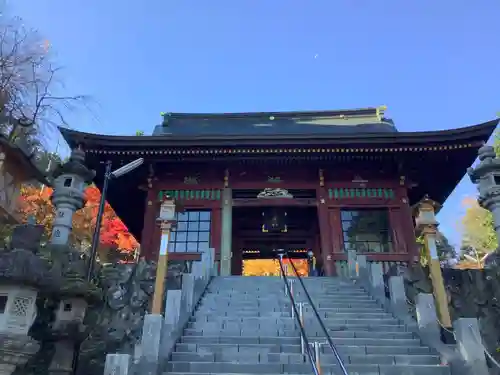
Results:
[320, 321]
[310, 354]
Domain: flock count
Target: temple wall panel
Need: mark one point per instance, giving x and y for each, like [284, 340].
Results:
[191, 176]
[205, 193]
[377, 195]
[255, 177]
[187, 199]
[351, 195]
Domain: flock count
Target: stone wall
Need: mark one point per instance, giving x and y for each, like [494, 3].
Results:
[116, 322]
[472, 294]
[119, 320]
[476, 294]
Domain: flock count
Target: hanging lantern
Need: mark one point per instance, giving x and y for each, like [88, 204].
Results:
[274, 220]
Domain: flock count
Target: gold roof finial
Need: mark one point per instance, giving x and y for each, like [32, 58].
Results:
[380, 111]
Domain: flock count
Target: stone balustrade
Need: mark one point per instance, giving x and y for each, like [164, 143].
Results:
[161, 332]
[467, 357]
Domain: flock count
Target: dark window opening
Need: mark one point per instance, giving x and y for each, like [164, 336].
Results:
[67, 182]
[3, 303]
[192, 232]
[67, 307]
[497, 180]
[366, 231]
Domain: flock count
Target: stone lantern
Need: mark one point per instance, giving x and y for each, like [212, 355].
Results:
[74, 292]
[68, 328]
[68, 195]
[426, 224]
[44, 295]
[486, 176]
[23, 275]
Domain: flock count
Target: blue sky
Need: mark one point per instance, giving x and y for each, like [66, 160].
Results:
[435, 64]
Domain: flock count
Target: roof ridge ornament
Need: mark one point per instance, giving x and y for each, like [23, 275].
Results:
[274, 193]
[380, 112]
[166, 116]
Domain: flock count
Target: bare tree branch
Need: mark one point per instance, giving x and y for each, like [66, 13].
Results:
[32, 94]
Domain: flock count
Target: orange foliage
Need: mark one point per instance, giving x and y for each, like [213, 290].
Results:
[271, 267]
[468, 265]
[36, 202]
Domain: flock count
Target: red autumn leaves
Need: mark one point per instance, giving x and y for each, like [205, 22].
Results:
[114, 234]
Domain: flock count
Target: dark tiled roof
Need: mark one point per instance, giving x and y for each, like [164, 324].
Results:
[275, 123]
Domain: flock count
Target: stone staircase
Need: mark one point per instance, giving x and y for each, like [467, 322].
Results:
[244, 326]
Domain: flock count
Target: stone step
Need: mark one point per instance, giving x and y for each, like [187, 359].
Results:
[247, 310]
[276, 290]
[308, 312]
[282, 340]
[316, 292]
[228, 316]
[368, 305]
[244, 326]
[415, 349]
[300, 368]
[253, 357]
[269, 295]
[209, 313]
[296, 289]
[353, 310]
[291, 324]
[311, 288]
[311, 334]
[332, 305]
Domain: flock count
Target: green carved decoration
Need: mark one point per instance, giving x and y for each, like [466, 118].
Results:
[205, 194]
[274, 179]
[353, 193]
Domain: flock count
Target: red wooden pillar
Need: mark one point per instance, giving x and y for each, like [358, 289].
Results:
[215, 231]
[408, 228]
[325, 232]
[336, 234]
[395, 224]
[148, 249]
[336, 230]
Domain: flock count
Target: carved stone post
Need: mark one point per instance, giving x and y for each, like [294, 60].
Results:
[486, 176]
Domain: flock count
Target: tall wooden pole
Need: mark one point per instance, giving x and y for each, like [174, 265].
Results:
[166, 219]
[427, 227]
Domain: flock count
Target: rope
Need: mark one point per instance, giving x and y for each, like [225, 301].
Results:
[478, 339]
[446, 329]
[480, 342]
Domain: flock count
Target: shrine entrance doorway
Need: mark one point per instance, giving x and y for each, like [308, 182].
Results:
[259, 231]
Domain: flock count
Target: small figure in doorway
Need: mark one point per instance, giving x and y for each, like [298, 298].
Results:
[311, 261]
